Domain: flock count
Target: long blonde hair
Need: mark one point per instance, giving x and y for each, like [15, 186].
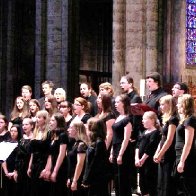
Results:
[81, 131]
[169, 100]
[45, 115]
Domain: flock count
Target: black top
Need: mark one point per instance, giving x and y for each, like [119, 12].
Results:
[78, 147]
[22, 158]
[84, 118]
[54, 150]
[96, 167]
[134, 97]
[180, 137]
[40, 150]
[5, 137]
[148, 143]
[137, 125]
[170, 153]
[118, 130]
[154, 97]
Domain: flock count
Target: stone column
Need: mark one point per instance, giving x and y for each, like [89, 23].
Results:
[151, 35]
[57, 22]
[40, 45]
[118, 64]
[135, 40]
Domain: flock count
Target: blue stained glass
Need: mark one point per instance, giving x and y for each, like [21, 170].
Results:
[191, 1]
[191, 32]
[191, 9]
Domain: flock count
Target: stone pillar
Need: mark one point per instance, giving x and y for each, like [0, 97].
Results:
[51, 43]
[151, 35]
[118, 64]
[57, 22]
[135, 40]
[40, 45]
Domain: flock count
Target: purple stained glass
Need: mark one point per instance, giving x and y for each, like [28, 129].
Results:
[191, 1]
[191, 32]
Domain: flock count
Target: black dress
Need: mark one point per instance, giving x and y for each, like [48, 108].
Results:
[40, 150]
[9, 185]
[21, 166]
[96, 169]
[59, 187]
[165, 167]
[4, 137]
[186, 181]
[78, 147]
[122, 172]
[148, 143]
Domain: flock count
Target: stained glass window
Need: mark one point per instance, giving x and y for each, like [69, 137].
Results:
[191, 32]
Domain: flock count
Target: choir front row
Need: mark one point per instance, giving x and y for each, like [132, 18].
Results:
[52, 159]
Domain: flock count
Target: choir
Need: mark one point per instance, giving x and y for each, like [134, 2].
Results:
[97, 145]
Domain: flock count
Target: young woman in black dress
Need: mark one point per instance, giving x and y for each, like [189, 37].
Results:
[145, 149]
[22, 158]
[9, 165]
[96, 166]
[76, 158]
[56, 168]
[120, 154]
[39, 148]
[186, 147]
[165, 154]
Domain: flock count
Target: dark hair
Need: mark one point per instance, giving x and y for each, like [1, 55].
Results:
[60, 120]
[97, 128]
[183, 86]
[106, 102]
[155, 76]
[49, 82]
[19, 131]
[126, 102]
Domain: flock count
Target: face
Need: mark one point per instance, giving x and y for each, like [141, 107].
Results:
[40, 120]
[19, 104]
[147, 122]
[164, 107]
[33, 107]
[176, 92]
[59, 96]
[84, 91]
[151, 84]
[46, 89]
[72, 131]
[47, 103]
[53, 123]
[118, 104]
[26, 94]
[2, 125]
[77, 107]
[180, 106]
[104, 91]
[125, 86]
[99, 101]
[26, 126]
[64, 109]
[14, 133]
